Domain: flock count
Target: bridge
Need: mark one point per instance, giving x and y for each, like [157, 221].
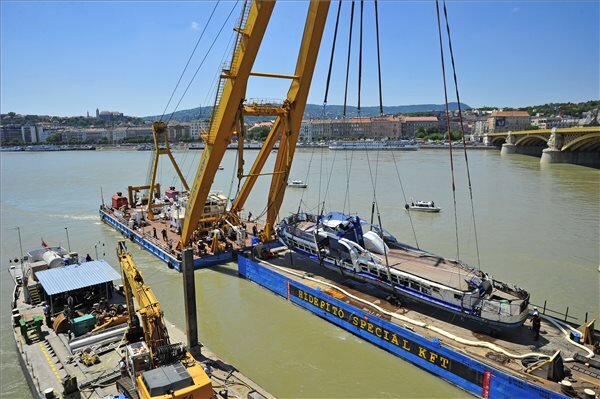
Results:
[579, 145]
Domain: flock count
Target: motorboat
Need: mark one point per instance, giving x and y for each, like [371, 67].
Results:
[422, 206]
[297, 183]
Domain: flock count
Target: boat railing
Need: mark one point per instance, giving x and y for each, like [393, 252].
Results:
[564, 316]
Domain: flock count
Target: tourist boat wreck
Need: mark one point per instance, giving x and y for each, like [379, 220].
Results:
[337, 242]
[422, 206]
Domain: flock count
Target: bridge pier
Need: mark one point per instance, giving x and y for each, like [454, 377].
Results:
[588, 158]
[508, 148]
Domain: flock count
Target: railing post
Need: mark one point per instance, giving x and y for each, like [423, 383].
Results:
[544, 310]
[567, 313]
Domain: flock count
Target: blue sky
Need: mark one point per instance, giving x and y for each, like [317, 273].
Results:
[66, 58]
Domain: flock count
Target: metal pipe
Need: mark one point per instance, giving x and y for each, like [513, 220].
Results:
[68, 242]
[111, 334]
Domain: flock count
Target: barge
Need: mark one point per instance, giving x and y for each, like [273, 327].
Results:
[511, 366]
[71, 345]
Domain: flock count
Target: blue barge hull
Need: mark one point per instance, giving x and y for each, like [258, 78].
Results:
[160, 253]
[467, 373]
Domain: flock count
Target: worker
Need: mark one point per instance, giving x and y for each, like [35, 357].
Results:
[536, 324]
[154, 233]
[47, 316]
[249, 216]
[164, 234]
[123, 367]
[171, 244]
[88, 258]
[254, 230]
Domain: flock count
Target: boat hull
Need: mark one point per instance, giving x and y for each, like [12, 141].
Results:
[489, 326]
[432, 355]
[426, 210]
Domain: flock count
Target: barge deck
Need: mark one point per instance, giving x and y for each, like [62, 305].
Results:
[485, 366]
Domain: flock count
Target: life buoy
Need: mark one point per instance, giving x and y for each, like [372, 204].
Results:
[406, 207]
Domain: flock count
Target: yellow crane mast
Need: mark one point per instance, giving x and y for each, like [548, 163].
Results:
[158, 368]
[227, 119]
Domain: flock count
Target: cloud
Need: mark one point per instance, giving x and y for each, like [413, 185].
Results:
[195, 25]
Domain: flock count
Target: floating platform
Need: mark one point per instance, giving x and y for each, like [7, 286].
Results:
[159, 248]
[477, 369]
[54, 362]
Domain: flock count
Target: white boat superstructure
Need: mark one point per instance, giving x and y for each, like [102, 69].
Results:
[337, 242]
[297, 183]
[422, 206]
[381, 145]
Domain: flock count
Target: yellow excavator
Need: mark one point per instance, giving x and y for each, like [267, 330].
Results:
[153, 367]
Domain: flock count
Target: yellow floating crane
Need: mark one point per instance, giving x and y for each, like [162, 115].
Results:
[231, 107]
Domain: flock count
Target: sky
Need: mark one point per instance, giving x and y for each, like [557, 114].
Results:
[68, 58]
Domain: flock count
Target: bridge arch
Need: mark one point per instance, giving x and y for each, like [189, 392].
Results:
[532, 140]
[498, 140]
[588, 142]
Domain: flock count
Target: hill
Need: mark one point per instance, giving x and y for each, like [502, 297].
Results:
[314, 111]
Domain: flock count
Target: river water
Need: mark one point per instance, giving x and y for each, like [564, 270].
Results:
[538, 227]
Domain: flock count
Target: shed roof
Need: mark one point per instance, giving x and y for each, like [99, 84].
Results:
[74, 277]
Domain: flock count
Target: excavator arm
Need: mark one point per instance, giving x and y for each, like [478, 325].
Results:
[151, 315]
[169, 362]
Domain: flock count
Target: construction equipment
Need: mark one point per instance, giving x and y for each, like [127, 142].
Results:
[230, 107]
[157, 368]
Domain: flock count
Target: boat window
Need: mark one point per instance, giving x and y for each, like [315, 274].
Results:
[425, 290]
[364, 268]
[415, 286]
[457, 296]
[435, 289]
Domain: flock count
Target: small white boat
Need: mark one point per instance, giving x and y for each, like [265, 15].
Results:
[220, 167]
[422, 206]
[297, 183]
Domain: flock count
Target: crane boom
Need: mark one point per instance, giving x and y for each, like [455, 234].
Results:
[224, 116]
[231, 108]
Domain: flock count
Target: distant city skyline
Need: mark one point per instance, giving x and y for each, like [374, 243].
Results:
[64, 58]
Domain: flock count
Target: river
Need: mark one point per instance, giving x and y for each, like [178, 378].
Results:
[537, 225]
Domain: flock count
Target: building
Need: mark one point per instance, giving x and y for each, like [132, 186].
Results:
[179, 130]
[108, 115]
[121, 133]
[479, 129]
[199, 126]
[351, 128]
[507, 121]
[16, 133]
[410, 124]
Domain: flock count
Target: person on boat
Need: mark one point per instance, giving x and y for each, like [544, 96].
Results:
[164, 234]
[88, 258]
[536, 324]
[249, 216]
[154, 233]
[47, 316]
[123, 367]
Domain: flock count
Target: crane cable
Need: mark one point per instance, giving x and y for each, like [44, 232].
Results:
[190, 58]
[203, 60]
[349, 52]
[378, 59]
[462, 127]
[448, 127]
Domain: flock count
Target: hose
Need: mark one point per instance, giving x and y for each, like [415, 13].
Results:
[481, 344]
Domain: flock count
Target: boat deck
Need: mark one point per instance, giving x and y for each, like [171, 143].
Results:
[519, 341]
[427, 266]
[202, 247]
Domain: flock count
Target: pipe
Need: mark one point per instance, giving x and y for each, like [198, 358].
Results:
[88, 341]
[438, 330]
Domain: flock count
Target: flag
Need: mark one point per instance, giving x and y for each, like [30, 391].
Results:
[44, 244]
